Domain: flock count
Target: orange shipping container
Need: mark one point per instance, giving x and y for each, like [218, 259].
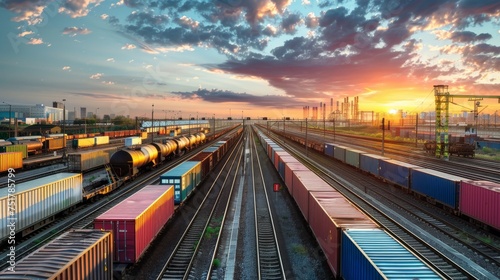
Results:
[11, 160]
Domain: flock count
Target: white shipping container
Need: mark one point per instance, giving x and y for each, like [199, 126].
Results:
[32, 202]
[82, 161]
[131, 141]
[101, 140]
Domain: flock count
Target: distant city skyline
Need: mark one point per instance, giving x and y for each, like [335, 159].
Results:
[256, 58]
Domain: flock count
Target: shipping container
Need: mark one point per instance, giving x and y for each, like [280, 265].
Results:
[289, 169]
[370, 163]
[137, 220]
[83, 143]
[373, 254]
[339, 152]
[144, 135]
[205, 159]
[39, 200]
[15, 148]
[34, 146]
[101, 140]
[352, 157]
[87, 160]
[304, 182]
[76, 254]
[329, 213]
[184, 177]
[53, 144]
[396, 172]
[132, 141]
[329, 149]
[11, 160]
[480, 200]
[278, 153]
[441, 187]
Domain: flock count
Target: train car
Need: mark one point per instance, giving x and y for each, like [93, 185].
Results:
[353, 157]
[304, 182]
[437, 186]
[137, 220]
[480, 200]
[370, 163]
[133, 141]
[329, 214]
[184, 177]
[41, 199]
[4, 143]
[182, 144]
[89, 160]
[129, 162]
[206, 161]
[15, 148]
[396, 172]
[101, 140]
[373, 254]
[12, 160]
[76, 254]
[38, 138]
[33, 146]
[54, 144]
[166, 150]
[83, 143]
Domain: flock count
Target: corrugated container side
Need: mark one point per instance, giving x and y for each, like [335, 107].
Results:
[40, 199]
[339, 153]
[440, 186]
[396, 172]
[329, 149]
[206, 162]
[83, 142]
[370, 163]
[184, 177]
[101, 140]
[82, 254]
[136, 221]
[54, 144]
[131, 141]
[11, 160]
[289, 169]
[481, 200]
[15, 148]
[329, 212]
[87, 160]
[352, 157]
[373, 254]
[302, 183]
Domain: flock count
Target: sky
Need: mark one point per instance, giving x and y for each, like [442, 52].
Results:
[250, 58]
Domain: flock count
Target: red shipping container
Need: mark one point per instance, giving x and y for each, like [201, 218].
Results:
[330, 213]
[302, 183]
[481, 200]
[277, 157]
[289, 169]
[137, 220]
[206, 162]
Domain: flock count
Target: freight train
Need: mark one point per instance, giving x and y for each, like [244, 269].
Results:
[353, 244]
[154, 208]
[477, 200]
[52, 195]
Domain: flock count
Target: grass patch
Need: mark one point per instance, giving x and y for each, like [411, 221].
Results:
[216, 263]
[299, 249]
[210, 231]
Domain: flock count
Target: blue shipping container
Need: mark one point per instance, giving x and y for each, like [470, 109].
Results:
[339, 153]
[440, 186]
[396, 172]
[370, 163]
[329, 147]
[373, 254]
[184, 177]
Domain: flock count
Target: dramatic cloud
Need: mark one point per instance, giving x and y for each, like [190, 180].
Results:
[78, 8]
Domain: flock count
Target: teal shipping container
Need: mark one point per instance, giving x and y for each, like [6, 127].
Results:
[184, 177]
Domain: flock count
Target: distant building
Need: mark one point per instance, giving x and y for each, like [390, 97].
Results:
[71, 116]
[90, 115]
[57, 104]
[83, 112]
[39, 111]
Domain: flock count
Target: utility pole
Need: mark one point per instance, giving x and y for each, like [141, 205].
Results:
[152, 123]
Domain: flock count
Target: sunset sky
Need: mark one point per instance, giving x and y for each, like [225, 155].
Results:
[253, 58]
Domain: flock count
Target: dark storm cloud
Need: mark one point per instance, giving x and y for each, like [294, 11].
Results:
[222, 96]
[469, 37]
[290, 22]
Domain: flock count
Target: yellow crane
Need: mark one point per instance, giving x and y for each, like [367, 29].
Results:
[442, 100]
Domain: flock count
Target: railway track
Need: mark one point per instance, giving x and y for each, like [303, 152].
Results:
[393, 221]
[188, 259]
[269, 261]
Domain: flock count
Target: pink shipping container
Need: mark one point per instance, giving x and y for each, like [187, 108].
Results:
[481, 200]
[302, 183]
[330, 213]
[136, 221]
[277, 156]
[289, 169]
